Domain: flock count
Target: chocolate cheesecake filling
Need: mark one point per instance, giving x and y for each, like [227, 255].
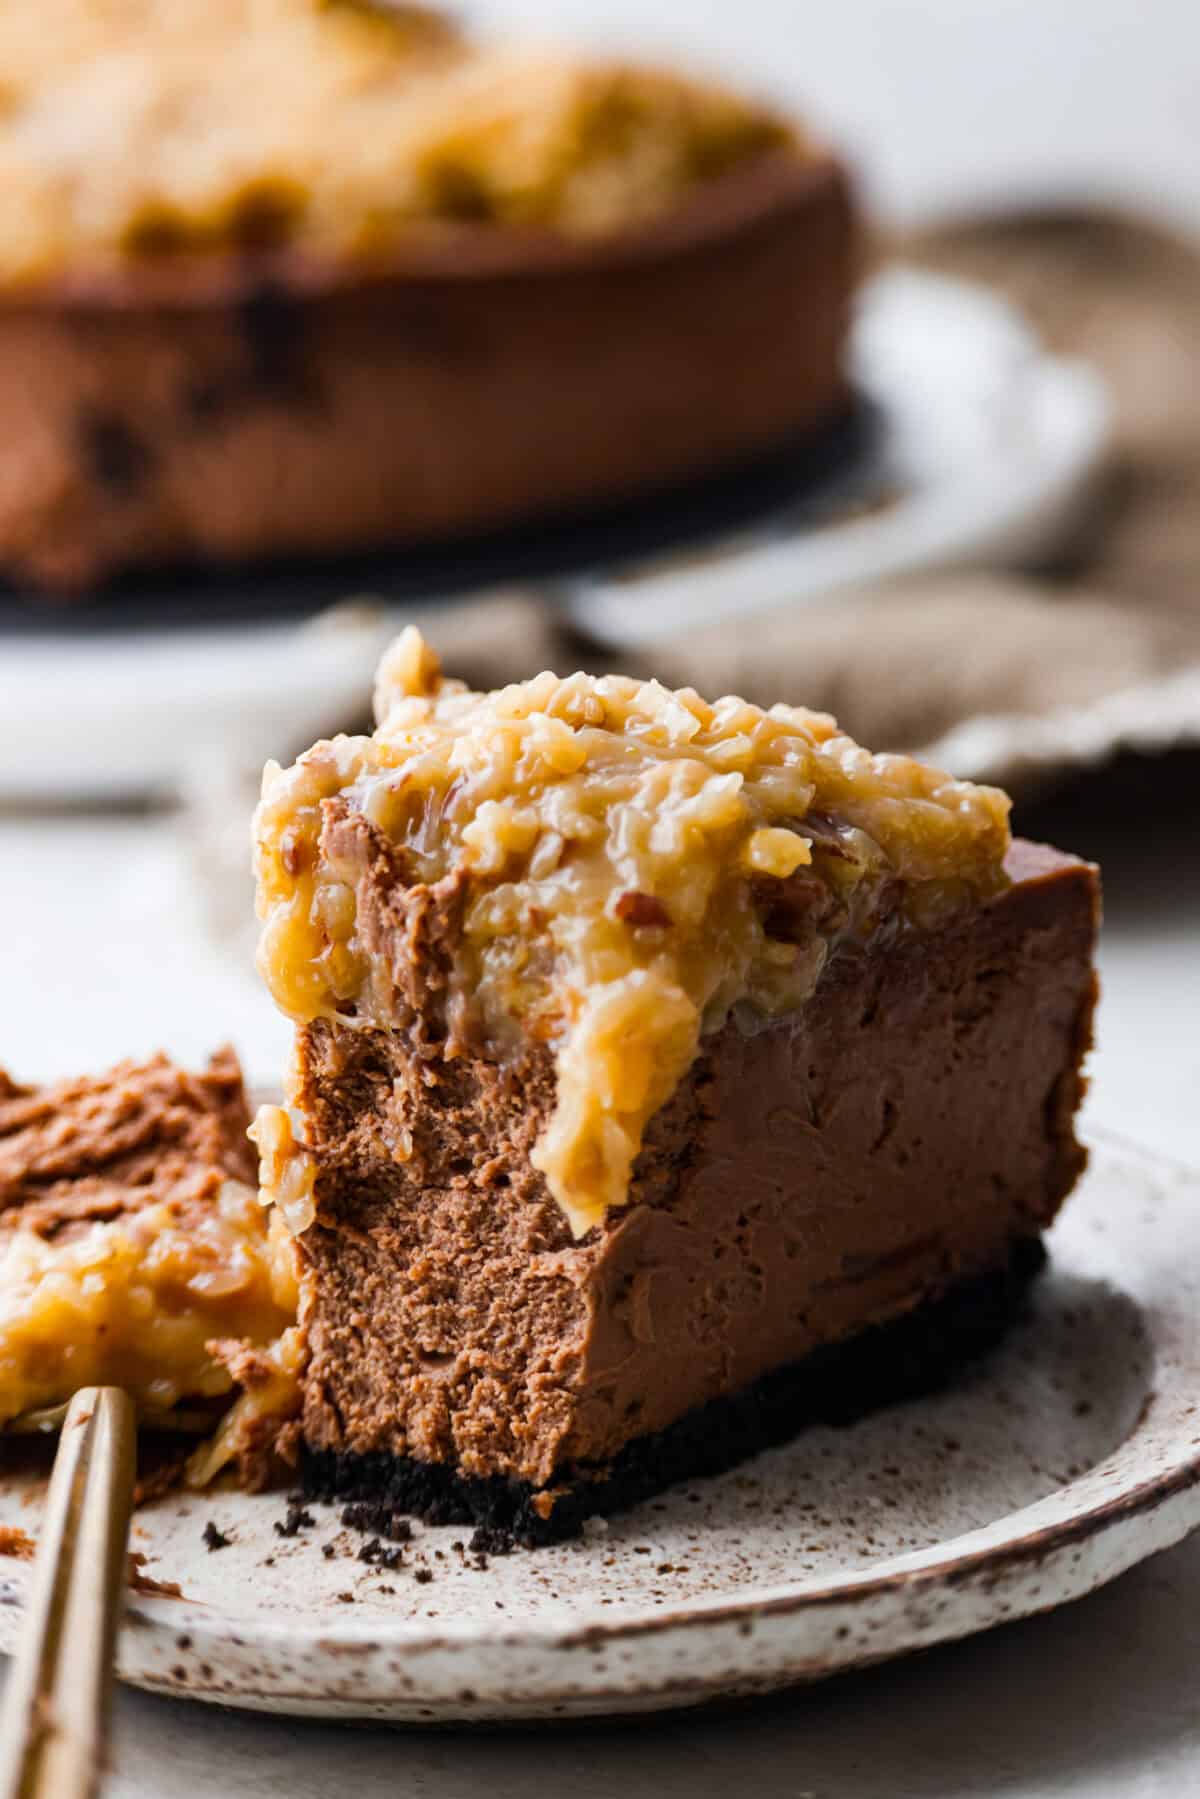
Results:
[897, 1140]
[906, 1358]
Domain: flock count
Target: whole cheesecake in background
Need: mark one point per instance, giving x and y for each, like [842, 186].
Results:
[286, 277]
[667, 1074]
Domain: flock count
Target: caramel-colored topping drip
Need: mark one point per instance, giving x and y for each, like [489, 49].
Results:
[134, 1302]
[638, 865]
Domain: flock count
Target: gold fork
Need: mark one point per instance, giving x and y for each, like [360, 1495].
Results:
[55, 1720]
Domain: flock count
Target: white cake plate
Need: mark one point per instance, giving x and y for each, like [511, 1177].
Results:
[1067, 1457]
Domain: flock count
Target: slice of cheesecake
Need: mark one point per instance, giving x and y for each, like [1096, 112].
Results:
[667, 1075]
[134, 1253]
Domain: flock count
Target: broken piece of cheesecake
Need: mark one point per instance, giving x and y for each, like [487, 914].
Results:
[134, 1253]
[667, 1074]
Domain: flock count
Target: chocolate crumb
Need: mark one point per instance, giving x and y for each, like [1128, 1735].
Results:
[328, 1551]
[492, 1539]
[214, 1538]
[346, 1598]
[377, 1556]
[298, 1518]
[423, 1576]
[379, 1518]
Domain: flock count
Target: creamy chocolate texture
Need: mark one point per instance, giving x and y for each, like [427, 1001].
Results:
[832, 1170]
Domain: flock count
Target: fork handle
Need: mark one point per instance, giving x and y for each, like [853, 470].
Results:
[55, 1721]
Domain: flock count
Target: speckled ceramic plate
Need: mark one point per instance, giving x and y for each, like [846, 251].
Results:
[1069, 1456]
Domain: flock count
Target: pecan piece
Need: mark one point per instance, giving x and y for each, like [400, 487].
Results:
[639, 909]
